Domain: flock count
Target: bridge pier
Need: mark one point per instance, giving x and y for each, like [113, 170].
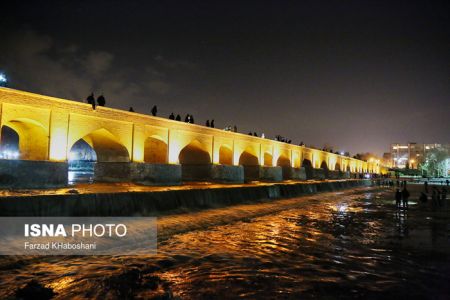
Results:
[319, 174]
[148, 174]
[263, 173]
[294, 173]
[32, 174]
[210, 172]
[226, 173]
[335, 174]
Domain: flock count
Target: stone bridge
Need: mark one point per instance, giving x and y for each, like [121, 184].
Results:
[149, 150]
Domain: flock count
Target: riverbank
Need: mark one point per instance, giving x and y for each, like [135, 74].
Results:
[133, 200]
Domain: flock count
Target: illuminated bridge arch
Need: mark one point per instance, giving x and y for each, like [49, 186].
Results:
[33, 138]
[283, 161]
[106, 146]
[249, 157]
[194, 153]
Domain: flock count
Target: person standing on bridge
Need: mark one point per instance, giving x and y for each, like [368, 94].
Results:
[191, 119]
[178, 118]
[207, 123]
[131, 109]
[188, 118]
[172, 116]
[154, 110]
[212, 123]
[101, 101]
[91, 100]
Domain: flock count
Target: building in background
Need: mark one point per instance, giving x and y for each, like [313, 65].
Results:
[410, 155]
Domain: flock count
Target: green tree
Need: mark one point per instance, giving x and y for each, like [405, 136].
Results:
[435, 163]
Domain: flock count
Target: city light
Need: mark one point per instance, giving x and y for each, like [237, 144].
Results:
[7, 154]
[3, 79]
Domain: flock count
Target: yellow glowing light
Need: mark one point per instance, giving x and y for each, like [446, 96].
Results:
[58, 146]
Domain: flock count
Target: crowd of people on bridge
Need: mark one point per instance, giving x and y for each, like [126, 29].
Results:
[189, 118]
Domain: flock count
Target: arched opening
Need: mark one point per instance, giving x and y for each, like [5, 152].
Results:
[324, 167]
[225, 155]
[155, 151]
[283, 161]
[268, 160]
[306, 163]
[337, 167]
[194, 154]
[248, 158]
[98, 146]
[9, 143]
[82, 158]
[32, 139]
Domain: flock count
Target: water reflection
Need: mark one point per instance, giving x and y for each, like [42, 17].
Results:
[354, 245]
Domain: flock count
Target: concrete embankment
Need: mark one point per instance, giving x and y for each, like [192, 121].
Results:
[152, 203]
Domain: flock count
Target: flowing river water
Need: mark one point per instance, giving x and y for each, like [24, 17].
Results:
[344, 244]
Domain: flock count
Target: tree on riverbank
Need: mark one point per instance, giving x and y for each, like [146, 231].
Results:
[435, 163]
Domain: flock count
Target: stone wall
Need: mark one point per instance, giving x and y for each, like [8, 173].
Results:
[32, 174]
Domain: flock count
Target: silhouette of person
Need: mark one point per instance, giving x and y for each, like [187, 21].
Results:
[207, 123]
[91, 100]
[447, 182]
[212, 123]
[405, 197]
[101, 101]
[154, 110]
[188, 118]
[250, 133]
[398, 198]
[131, 109]
[178, 118]
[254, 134]
[443, 196]
[235, 128]
[191, 119]
[426, 186]
[172, 117]
[423, 197]
[434, 197]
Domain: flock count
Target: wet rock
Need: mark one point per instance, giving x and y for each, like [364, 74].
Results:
[34, 290]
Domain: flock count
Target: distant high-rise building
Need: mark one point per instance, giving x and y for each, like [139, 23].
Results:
[411, 154]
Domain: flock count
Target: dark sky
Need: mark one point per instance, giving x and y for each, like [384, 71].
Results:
[357, 75]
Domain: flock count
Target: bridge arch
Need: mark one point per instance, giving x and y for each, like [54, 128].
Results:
[225, 155]
[283, 161]
[194, 153]
[248, 157]
[337, 167]
[9, 143]
[106, 146]
[33, 138]
[307, 164]
[324, 167]
[155, 150]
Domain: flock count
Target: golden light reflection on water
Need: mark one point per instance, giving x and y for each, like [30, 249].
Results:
[283, 248]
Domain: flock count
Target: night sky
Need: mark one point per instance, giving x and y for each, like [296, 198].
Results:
[356, 75]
